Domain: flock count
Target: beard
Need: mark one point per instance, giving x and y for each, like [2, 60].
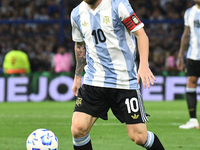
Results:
[197, 2]
[90, 2]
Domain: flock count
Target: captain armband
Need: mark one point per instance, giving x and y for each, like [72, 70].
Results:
[131, 22]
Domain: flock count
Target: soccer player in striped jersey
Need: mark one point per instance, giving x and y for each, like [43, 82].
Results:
[191, 38]
[104, 33]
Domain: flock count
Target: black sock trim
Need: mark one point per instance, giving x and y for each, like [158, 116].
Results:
[87, 146]
[157, 145]
[191, 103]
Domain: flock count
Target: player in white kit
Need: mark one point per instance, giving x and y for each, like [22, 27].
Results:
[191, 38]
[104, 33]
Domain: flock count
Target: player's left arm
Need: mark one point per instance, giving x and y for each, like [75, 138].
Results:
[134, 25]
[144, 71]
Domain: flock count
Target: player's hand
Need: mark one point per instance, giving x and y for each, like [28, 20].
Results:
[180, 63]
[76, 85]
[146, 75]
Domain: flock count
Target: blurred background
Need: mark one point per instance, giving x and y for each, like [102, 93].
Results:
[39, 27]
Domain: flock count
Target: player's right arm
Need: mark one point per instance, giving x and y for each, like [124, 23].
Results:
[80, 51]
[185, 39]
[184, 46]
[80, 55]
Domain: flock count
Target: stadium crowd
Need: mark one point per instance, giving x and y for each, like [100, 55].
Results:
[40, 41]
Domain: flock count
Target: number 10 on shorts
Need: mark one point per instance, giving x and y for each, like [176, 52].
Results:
[132, 105]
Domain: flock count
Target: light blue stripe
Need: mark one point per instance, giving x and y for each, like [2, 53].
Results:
[128, 55]
[128, 6]
[102, 52]
[76, 17]
[90, 64]
[141, 105]
[115, 4]
[190, 90]
[81, 141]
[150, 140]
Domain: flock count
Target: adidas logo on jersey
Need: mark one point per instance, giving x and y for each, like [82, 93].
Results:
[85, 24]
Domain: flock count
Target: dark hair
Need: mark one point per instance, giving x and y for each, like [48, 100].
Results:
[62, 46]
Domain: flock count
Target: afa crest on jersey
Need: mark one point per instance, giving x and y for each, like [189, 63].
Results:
[106, 20]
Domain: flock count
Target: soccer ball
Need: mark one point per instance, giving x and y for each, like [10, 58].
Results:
[42, 139]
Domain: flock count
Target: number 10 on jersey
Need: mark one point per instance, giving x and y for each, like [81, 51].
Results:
[98, 36]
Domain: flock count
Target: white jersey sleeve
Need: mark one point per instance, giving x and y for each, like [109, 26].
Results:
[126, 12]
[76, 34]
[192, 20]
[186, 18]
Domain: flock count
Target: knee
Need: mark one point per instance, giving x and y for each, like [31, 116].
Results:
[79, 130]
[139, 138]
[192, 82]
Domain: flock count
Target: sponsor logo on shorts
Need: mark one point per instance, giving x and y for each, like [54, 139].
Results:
[79, 101]
[134, 116]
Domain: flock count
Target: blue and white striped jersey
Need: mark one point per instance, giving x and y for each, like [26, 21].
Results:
[110, 44]
[192, 19]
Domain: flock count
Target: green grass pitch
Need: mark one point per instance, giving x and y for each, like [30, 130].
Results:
[18, 120]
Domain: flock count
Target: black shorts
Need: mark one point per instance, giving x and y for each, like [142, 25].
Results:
[126, 105]
[192, 68]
